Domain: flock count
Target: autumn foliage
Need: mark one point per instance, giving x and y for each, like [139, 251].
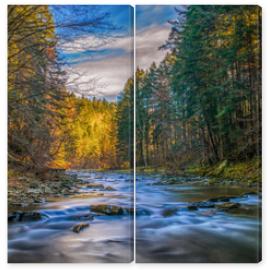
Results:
[49, 127]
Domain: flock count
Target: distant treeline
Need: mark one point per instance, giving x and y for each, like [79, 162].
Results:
[49, 127]
[202, 103]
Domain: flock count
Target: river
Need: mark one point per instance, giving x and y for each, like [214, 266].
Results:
[187, 222]
[109, 238]
[179, 219]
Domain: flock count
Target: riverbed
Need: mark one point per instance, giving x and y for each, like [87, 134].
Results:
[108, 238]
[178, 219]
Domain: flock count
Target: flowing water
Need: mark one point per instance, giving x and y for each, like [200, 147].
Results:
[174, 233]
[107, 239]
[167, 229]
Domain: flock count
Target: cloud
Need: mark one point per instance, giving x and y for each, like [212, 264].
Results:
[98, 67]
[104, 72]
[147, 43]
[86, 43]
[104, 78]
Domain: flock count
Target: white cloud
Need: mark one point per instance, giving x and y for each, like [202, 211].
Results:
[147, 43]
[96, 43]
[104, 78]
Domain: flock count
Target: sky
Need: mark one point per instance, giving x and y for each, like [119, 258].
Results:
[152, 30]
[95, 44]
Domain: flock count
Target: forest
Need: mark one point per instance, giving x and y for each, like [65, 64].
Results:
[202, 104]
[49, 126]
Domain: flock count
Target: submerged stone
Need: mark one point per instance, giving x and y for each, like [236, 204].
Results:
[208, 213]
[167, 181]
[82, 217]
[204, 204]
[143, 212]
[79, 227]
[168, 212]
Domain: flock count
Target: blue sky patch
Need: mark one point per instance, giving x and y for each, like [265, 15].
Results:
[150, 15]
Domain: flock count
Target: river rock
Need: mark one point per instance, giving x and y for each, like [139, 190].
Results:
[143, 212]
[228, 206]
[208, 213]
[221, 199]
[168, 212]
[166, 182]
[192, 207]
[34, 190]
[34, 184]
[111, 210]
[109, 188]
[79, 227]
[94, 185]
[38, 200]
[245, 210]
[82, 217]
[25, 216]
[206, 204]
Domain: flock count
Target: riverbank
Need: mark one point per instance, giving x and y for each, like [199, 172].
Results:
[246, 173]
[28, 189]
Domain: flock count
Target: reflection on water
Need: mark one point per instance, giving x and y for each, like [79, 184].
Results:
[174, 233]
[107, 239]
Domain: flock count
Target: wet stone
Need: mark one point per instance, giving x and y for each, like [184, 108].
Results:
[25, 216]
[93, 185]
[192, 207]
[251, 211]
[109, 188]
[111, 210]
[221, 199]
[79, 227]
[143, 212]
[228, 206]
[168, 212]
[85, 217]
[204, 204]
